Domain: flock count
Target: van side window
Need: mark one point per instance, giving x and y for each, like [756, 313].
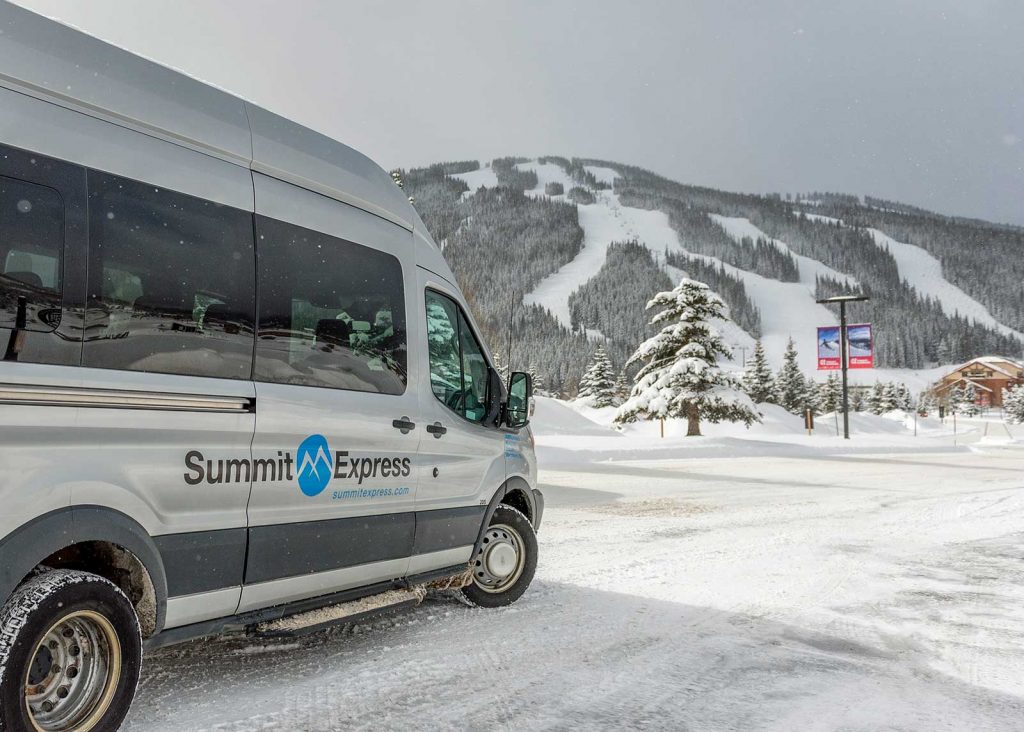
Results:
[458, 367]
[331, 312]
[171, 281]
[31, 255]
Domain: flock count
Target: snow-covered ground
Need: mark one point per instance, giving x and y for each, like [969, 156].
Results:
[744, 581]
[548, 173]
[476, 178]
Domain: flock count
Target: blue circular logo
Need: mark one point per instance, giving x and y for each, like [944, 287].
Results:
[314, 462]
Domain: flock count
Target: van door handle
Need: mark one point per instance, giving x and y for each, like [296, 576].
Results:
[404, 425]
[437, 429]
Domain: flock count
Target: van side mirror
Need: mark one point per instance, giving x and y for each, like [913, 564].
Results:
[520, 392]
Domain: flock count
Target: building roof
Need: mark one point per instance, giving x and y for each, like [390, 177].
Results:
[951, 384]
[52, 61]
[995, 363]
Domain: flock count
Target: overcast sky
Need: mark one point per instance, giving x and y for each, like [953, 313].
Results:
[921, 101]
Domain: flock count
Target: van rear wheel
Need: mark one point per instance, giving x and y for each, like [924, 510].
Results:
[506, 561]
[70, 654]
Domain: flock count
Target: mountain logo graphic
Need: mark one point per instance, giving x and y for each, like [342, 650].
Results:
[315, 467]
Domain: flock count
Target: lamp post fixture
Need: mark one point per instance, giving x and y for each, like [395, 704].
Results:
[844, 358]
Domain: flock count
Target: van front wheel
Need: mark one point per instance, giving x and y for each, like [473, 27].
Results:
[505, 562]
[70, 654]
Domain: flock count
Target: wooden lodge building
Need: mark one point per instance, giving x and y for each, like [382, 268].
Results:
[990, 374]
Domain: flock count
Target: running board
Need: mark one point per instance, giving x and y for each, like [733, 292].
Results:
[355, 610]
[346, 612]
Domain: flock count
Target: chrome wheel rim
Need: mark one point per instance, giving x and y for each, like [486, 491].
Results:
[499, 563]
[73, 675]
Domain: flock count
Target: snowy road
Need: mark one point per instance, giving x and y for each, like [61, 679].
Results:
[812, 592]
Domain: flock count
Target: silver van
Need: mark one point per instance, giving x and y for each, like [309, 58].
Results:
[240, 389]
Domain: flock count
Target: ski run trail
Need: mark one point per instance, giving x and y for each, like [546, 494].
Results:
[788, 309]
[761, 580]
[924, 272]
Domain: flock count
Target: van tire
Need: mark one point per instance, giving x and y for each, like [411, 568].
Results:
[508, 527]
[80, 607]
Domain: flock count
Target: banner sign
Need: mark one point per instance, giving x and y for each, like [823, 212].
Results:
[828, 348]
[862, 346]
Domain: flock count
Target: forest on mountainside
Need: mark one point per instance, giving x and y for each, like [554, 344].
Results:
[614, 301]
[501, 243]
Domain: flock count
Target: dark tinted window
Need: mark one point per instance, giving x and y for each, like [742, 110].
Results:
[31, 255]
[458, 367]
[170, 282]
[332, 313]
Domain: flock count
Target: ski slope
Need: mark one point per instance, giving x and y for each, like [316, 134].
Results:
[547, 173]
[810, 269]
[484, 177]
[603, 222]
[924, 272]
[788, 309]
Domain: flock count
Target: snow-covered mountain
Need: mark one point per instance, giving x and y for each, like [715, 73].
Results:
[579, 246]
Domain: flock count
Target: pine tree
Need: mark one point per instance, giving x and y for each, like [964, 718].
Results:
[538, 381]
[876, 399]
[790, 385]
[926, 402]
[904, 399]
[832, 394]
[598, 382]
[956, 399]
[969, 407]
[814, 397]
[758, 382]
[621, 387]
[857, 400]
[890, 397]
[680, 376]
[1013, 404]
[501, 367]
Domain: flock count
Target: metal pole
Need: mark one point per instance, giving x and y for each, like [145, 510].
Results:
[846, 386]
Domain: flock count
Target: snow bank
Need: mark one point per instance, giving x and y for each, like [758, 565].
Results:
[574, 433]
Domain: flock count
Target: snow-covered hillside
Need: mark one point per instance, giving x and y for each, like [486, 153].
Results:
[555, 227]
[787, 309]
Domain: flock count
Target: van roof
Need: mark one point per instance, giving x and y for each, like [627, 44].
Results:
[51, 60]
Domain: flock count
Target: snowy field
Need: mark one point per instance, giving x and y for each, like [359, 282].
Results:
[742, 581]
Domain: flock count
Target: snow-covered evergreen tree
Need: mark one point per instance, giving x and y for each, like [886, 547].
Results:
[758, 381]
[926, 403]
[790, 384]
[598, 383]
[955, 400]
[1013, 404]
[876, 399]
[904, 399]
[539, 387]
[832, 394]
[890, 397]
[501, 367]
[680, 376]
[856, 400]
[814, 397]
[622, 387]
[969, 407]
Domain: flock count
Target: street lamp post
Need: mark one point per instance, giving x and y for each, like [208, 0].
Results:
[844, 348]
